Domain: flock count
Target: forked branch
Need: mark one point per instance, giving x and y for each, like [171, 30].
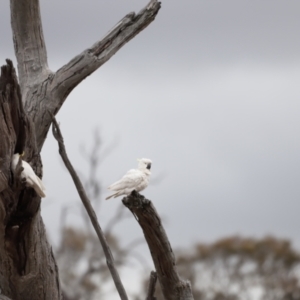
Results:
[43, 90]
[88, 206]
[173, 287]
[91, 59]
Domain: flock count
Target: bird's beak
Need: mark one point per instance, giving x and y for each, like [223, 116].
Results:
[22, 154]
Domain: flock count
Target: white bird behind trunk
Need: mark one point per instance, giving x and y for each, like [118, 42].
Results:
[32, 180]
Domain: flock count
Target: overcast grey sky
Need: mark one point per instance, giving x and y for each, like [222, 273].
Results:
[209, 91]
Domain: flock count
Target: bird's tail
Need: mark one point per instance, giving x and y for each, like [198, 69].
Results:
[39, 187]
[41, 183]
[113, 195]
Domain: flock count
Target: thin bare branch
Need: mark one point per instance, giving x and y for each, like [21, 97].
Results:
[91, 59]
[152, 283]
[173, 287]
[29, 42]
[87, 204]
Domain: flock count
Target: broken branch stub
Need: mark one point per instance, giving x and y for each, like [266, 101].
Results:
[173, 287]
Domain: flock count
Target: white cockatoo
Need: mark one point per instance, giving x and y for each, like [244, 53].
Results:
[32, 180]
[134, 179]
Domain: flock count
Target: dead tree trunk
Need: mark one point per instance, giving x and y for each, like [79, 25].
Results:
[173, 287]
[27, 266]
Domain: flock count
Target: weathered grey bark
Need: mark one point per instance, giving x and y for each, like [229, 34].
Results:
[27, 266]
[29, 43]
[173, 287]
[43, 90]
[151, 288]
[90, 211]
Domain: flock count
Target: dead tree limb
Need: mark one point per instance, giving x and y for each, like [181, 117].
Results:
[91, 59]
[88, 206]
[173, 287]
[44, 90]
[152, 284]
[27, 267]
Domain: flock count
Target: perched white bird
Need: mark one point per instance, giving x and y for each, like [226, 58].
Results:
[31, 179]
[134, 179]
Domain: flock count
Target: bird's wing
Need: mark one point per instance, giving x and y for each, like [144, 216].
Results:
[130, 180]
[32, 179]
[28, 171]
[34, 183]
[41, 183]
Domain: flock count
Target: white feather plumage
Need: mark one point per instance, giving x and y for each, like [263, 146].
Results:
[134, 179]
[32, 180]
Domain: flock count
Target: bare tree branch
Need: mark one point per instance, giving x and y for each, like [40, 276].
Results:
[152, 283]
[173, 287]
[29, 42]
[87, 204]
[91, 59]
[28, 270]
[45, 91]
[27, 266]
